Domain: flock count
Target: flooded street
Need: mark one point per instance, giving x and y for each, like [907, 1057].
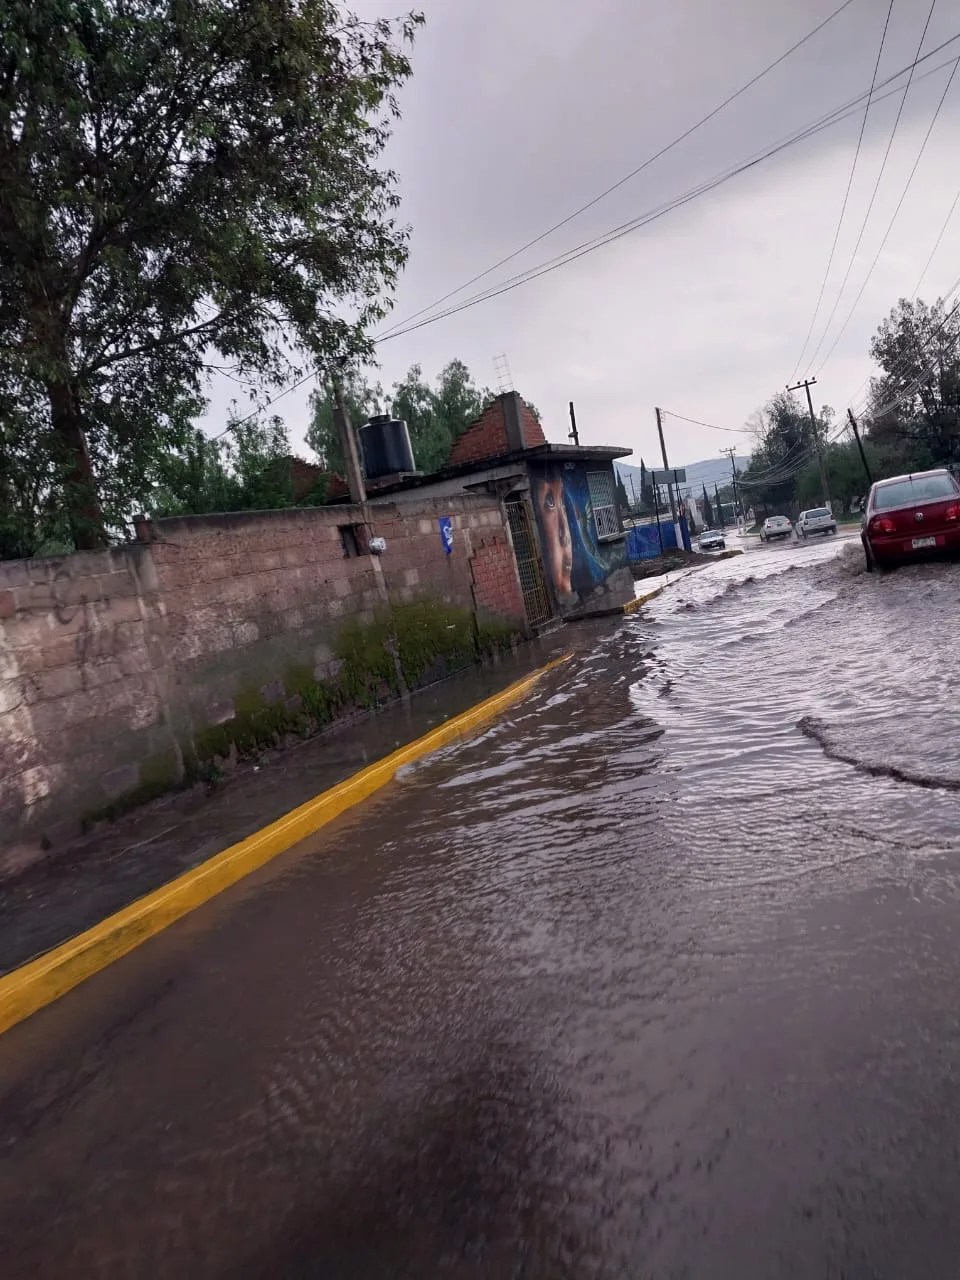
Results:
[657, 977]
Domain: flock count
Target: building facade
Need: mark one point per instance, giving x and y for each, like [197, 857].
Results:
[561, 505]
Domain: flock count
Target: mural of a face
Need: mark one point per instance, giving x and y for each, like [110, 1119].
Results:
[555, 529]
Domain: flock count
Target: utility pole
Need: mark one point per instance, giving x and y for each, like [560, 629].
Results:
[656, 508]
[676, 485]
[731, 454]
[573, 427]
[666, 465]
[633, 490]
[719, 506]
[348, 443]
[856, 436]
[807, 383]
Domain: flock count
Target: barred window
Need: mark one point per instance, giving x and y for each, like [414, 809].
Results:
[604, 503]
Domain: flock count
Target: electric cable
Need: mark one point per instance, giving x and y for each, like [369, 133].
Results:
[873, 197]
[846, 195]
[634, 172]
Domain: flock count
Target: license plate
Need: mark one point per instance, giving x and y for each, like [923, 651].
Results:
[919, 543]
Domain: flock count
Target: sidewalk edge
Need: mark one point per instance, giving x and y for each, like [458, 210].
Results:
[41, 981]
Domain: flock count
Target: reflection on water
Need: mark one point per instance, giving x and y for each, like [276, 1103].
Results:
[655, 977]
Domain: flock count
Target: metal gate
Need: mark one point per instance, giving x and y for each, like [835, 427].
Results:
[536, 600]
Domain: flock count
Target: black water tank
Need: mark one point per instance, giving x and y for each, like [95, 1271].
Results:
[385, 446]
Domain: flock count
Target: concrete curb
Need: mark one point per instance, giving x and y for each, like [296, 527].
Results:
[53, 974]
[632, 606]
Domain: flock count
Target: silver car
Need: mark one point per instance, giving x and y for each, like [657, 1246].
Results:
[711, 540]
[775, 527]
[816, 520]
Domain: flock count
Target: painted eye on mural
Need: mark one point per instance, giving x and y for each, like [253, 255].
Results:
[548, 500]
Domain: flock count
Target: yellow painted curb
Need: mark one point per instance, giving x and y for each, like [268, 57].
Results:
[633, 605]
[53, 974]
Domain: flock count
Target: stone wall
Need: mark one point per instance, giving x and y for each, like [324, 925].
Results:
[123, 672]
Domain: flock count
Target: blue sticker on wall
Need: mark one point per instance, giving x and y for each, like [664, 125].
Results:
[446, 533]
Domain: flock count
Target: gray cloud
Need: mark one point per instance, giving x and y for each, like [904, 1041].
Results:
[520, 110]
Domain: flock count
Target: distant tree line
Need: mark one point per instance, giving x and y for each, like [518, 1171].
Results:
[910, 420]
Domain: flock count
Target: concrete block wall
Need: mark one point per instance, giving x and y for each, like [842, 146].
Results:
[83, 685]
[247, 596]
[111, 662]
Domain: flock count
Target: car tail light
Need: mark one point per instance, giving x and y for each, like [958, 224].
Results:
[952, 513]
[882, 524]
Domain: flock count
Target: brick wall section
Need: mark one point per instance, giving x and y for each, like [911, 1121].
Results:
[109, 662]
[487, 437]
[496, 586]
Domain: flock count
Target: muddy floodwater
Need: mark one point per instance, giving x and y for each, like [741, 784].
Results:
[659, 977]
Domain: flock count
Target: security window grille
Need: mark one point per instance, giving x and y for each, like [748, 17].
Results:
[604, 503]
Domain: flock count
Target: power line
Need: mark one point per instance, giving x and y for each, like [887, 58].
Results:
[855, 398]
[779, 477]
[736, 431]
[890, 225]
[232, 426]
[876, 188]
[836, 116]
[785, 467]
[846, 195]
[780, 472]
[917, 382]
[800, 448]
[855, 401]
[578, 251]
[633, 173]
[943, 231]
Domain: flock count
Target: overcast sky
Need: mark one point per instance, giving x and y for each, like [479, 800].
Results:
[519, 111]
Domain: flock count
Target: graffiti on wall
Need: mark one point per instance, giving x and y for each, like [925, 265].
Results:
[575, 561]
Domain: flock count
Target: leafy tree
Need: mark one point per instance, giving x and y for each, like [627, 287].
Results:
[913, 411]
[435, 416]
[414, 401]
[361, 399]
[31, 521]
[246, 469]
[781, 453]
[181, 184]
[458, 401]
[438, 416]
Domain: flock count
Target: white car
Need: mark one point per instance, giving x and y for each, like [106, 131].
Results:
[816, 520]
[775, 527]
[711, 540]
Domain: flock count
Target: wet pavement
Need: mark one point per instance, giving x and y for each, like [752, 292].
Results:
[656, 977]
[89, 878]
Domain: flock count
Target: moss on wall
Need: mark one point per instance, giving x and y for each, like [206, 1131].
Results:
[159, 774]
[400, 650]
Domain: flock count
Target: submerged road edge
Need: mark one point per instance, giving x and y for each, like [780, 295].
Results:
[42, 981]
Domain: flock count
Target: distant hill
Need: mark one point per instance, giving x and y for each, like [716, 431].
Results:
[709, 472]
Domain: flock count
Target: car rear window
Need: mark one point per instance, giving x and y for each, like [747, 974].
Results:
[818, 511]
[900, 493]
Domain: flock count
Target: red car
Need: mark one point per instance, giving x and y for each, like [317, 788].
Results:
[909, 517]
